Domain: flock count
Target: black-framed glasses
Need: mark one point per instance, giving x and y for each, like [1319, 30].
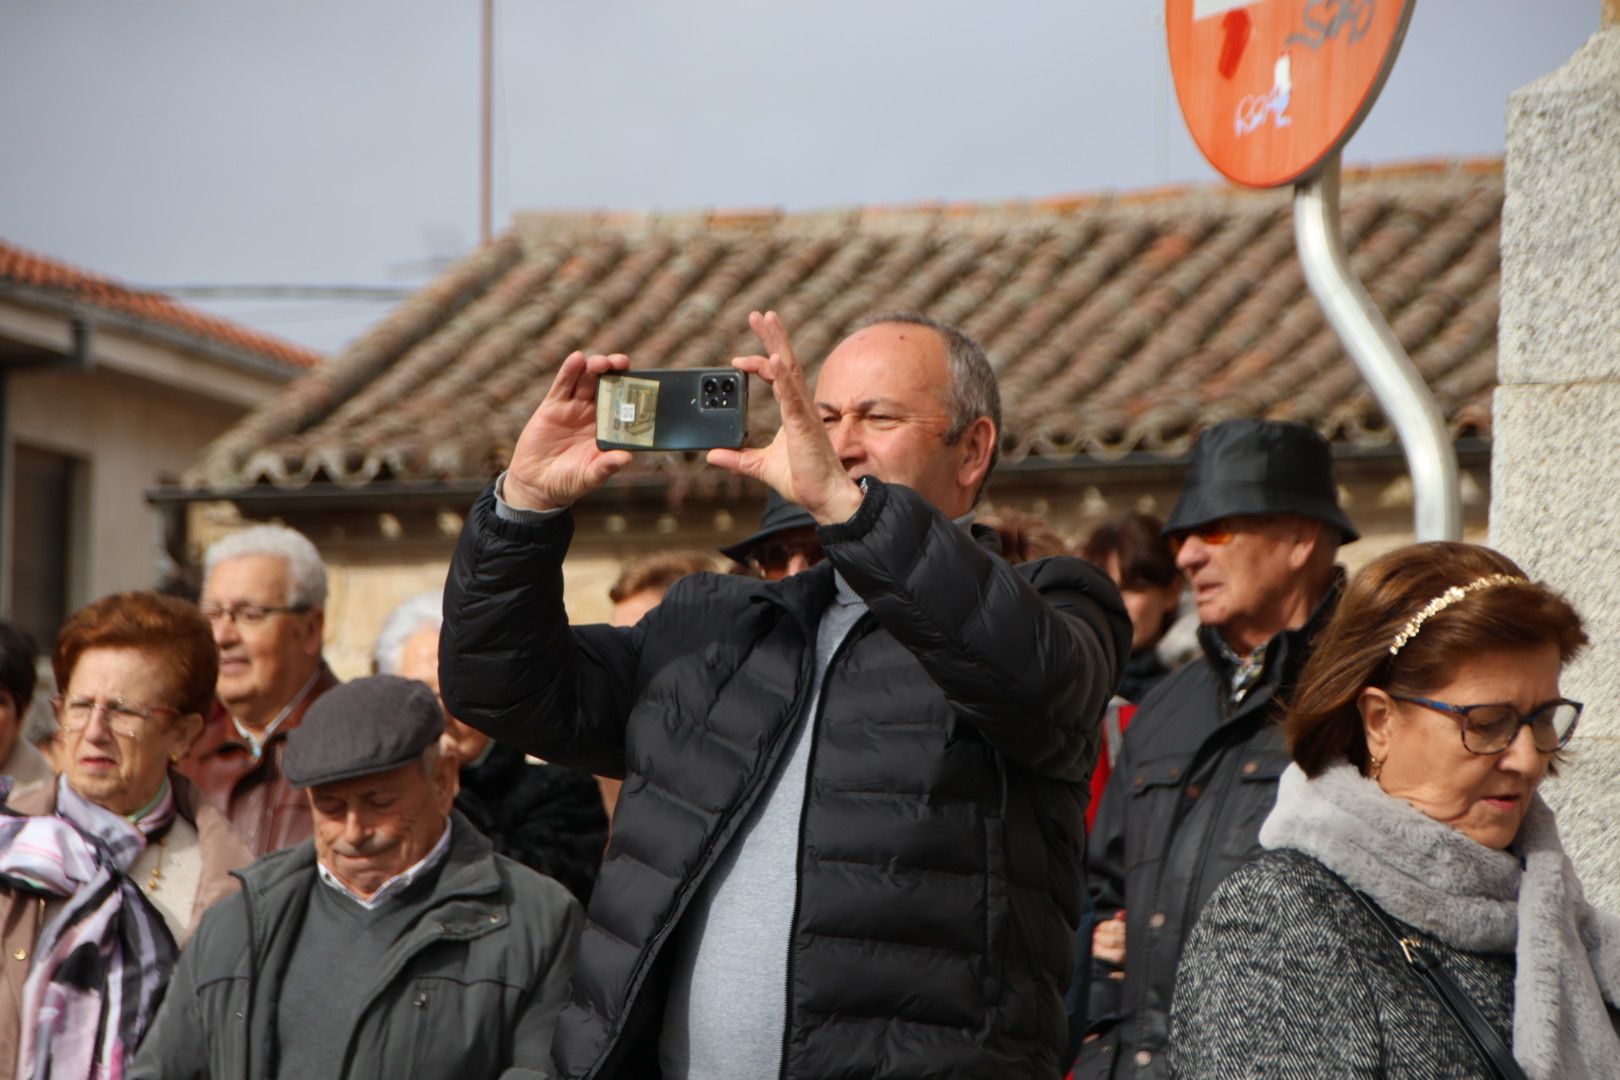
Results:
[1490, 729]
[75, 714]
[247, 614]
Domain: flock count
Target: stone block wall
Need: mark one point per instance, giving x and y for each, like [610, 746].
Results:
[1556, 451]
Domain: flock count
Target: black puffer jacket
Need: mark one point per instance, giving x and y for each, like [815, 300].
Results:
[939, 872]
[1182, 810]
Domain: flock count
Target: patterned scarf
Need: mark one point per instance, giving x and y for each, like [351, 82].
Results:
[100, 966]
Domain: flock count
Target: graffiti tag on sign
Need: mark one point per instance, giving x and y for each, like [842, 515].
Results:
[1327, 19]
[1255, 109]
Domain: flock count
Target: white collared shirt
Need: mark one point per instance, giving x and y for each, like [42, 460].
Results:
[256, 742]
[396, 884]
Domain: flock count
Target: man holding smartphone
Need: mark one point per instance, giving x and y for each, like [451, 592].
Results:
[848, 842]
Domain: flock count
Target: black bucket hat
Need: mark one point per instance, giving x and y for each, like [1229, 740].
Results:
[1251, 467]
[780, 516]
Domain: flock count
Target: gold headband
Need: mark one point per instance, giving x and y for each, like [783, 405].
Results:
[1445, 600]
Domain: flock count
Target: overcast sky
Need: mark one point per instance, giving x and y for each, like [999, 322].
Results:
[186, 142]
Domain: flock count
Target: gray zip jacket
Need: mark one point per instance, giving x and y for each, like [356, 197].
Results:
[471, 990]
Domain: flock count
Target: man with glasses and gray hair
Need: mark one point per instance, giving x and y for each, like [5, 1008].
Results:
[264, 594]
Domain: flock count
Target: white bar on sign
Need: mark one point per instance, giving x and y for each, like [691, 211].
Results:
[1203, 9]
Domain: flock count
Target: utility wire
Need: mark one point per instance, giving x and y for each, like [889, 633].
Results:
[285, 292]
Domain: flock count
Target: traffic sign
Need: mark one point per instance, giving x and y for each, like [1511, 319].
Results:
[1270, 88]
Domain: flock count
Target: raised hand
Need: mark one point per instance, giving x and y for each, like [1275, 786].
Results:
[800, 463]
[556, 459]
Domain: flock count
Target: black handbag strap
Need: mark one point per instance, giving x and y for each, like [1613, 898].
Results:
[1492, 1051]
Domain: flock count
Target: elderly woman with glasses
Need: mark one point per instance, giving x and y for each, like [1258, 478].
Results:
[104, 875]
[1413, 914]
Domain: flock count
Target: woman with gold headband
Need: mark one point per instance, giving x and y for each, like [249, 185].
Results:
[1413, 914]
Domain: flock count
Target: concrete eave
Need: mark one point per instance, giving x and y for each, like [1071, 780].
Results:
[87, 337]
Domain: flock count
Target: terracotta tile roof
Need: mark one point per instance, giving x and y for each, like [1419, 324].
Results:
[1117, 323]
[19, 267]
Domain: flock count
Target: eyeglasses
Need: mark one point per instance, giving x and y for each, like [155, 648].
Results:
[771, 561]
[247, 614]
[75, 714]
[1491, 729]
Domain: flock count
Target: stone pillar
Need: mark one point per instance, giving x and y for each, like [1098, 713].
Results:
[1555, 460]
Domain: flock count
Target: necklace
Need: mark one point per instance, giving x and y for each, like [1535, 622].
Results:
[152, 882]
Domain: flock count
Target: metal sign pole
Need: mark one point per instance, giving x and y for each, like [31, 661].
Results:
[1431, 458]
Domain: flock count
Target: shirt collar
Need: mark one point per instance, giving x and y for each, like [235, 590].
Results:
[394, 885]
[256, 742]
[1242, 671]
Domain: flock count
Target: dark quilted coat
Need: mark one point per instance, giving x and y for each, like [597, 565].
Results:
[939, 869]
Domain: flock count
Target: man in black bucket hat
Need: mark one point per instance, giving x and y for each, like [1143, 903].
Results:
[395, 942]
[784, 543]
[1255, 531]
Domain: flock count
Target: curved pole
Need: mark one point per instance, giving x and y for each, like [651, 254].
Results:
[1431, 458]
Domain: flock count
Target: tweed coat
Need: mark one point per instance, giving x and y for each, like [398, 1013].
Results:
[1288, 975]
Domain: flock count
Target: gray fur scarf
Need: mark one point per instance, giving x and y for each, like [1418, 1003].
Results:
[1430, 876]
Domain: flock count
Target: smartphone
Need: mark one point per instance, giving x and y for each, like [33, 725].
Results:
[677, 409]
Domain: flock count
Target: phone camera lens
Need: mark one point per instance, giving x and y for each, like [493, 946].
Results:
[728, 386]
[710, 386]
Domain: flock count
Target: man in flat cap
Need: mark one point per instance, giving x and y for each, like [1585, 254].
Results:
[1256, 532]
[394, 943]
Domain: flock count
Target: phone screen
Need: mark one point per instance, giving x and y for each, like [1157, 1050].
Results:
[627, 411]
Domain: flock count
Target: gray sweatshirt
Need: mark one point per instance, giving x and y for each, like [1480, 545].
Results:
[727, 1005]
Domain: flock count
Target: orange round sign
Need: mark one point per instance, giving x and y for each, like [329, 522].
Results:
[1272, 87]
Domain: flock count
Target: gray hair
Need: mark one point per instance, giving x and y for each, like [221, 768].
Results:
[973, 391]
[306, 574]
[421, 610]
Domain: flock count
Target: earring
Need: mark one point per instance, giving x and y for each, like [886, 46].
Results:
[1377, 768]
[174, 758]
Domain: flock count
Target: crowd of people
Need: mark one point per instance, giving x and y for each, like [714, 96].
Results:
[913, 790]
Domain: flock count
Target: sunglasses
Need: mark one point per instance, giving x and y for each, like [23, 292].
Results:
[772, 560]
[1217, 533]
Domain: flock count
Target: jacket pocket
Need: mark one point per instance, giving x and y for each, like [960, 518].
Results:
[449, 1027]
[1155, 788]
[1256, 771]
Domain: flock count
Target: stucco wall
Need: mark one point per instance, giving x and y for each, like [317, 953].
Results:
[129, 431]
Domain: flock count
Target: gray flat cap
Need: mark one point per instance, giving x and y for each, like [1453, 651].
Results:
[362, 727]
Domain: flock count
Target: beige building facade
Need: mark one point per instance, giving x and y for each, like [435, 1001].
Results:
[105, 392]
[376, 558]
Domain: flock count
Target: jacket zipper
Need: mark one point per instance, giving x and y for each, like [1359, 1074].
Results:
[253, 979]
[798, 869]
[639, 970]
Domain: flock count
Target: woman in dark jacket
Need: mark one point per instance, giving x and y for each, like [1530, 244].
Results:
[1414, 784]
